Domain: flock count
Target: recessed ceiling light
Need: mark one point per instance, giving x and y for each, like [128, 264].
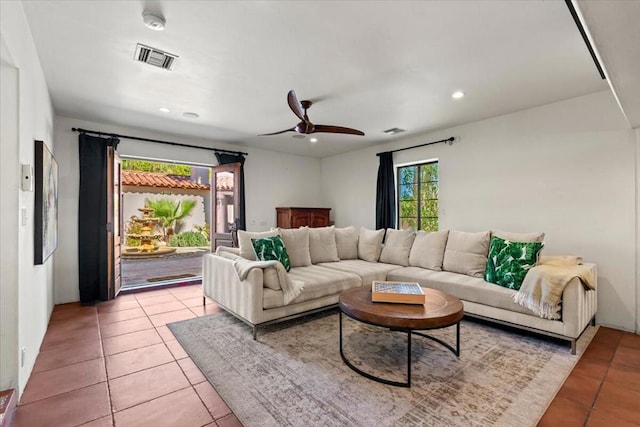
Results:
[457, 95]
[153, 21]
[165, 110]
[189, 115]
[314, 140]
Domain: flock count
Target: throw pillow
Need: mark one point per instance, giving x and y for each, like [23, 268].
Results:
[322, 245]
[466, 253]
[428, 249]
[509, 261]
[518, 237]
[245, 245]
[397, 246]
[297, 242]
[347, 242]
[271, 249]
[370, 244]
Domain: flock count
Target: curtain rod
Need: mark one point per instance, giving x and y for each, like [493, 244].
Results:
[450, 139]
[217, 150]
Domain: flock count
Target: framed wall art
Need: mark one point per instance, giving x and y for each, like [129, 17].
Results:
[46, 204]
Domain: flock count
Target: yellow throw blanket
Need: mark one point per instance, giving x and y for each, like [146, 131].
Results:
[542, 287]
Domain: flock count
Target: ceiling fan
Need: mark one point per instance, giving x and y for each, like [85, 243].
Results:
[300, 108]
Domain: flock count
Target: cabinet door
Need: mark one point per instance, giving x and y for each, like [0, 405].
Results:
[300, 219]
[320, 218]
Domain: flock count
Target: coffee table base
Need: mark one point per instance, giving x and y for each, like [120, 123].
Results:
[409, 332]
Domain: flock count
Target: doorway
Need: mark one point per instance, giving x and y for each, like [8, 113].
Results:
[166, 223]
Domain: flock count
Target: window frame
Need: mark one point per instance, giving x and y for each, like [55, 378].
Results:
[398, 183]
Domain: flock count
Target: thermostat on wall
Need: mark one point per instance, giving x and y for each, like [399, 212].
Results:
[27, 178]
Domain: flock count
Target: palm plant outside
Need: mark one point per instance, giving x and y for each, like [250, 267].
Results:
[418, 196]
[170, 212]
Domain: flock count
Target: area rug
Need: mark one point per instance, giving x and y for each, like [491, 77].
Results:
[293, 374]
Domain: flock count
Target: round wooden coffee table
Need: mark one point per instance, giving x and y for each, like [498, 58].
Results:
[439, 311]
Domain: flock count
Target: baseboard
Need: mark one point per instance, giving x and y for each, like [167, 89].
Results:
[8, 400]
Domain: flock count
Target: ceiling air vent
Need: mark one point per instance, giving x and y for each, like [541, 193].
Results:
[155, 57]
[393, 131]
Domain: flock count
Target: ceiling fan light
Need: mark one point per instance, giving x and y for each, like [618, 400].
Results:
[153, 21]
[457, 95]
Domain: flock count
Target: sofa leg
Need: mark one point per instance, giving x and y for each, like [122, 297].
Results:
[593, 321]
[204, 300]
[255, 332]
[573, 346]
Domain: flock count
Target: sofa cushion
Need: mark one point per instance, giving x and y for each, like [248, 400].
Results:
[370, 244]
[347, 242]
[245, 245]
[508, 261]
[518, 237]
[466, 253]
[465, 287]
[368, 271]
[271, 249]
[428, 249]
[319, 281]
[296, 241]
[397, 245]
[322, 245]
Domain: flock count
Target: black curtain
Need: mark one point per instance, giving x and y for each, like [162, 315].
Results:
[385, 193]
[92, 217]
[225, 159]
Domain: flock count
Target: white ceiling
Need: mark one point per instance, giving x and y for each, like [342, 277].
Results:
[370, 65]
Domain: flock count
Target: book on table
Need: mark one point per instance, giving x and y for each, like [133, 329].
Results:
[398, 292]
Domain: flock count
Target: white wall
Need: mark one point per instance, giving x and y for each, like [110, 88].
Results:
[567, 169]
[271, 179]
[26, 289]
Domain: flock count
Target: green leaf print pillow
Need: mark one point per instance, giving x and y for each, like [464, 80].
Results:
[508, 261]
[271, 249]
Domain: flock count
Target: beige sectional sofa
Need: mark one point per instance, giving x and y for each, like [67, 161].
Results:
[326, 261]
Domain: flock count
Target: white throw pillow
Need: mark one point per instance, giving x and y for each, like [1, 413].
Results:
[296, 240]
[370, 244]
[519, 237]
[466, 253]
[428, 250]
[322, 245]
[347, 242]
[397, 245]
[244, 242]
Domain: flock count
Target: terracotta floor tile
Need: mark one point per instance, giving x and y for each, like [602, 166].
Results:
[117, 305]
[604, 419]
[627, 356]
[165, 307]
[142, 386]
[600, 350]
[151, 293]
[106, 317]
[630, 340]
[72, 314]
[193, 302]
[125, 327]
[206, 310]
[191, 371]
[100, 422]
[620, 401]
[216, 406]
[136, 360]
[176, 349]
[593, 368]
[180, 408]
[65, 355]
[624, 376]
[564, 412]
[160, 299]
[172, 316]
[61, 380]
[607, 336]
[580, 389]
[68, 409]
[165, 333]
[229, 421]
[192, 292]
[131, 341]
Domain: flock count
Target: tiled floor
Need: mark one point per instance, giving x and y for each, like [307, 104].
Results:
[118, 364]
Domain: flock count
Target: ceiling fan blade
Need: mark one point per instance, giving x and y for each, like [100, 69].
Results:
[295, 105]
[337, 129]
[278, 133]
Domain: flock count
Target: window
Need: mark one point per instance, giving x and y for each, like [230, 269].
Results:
[418, 196]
